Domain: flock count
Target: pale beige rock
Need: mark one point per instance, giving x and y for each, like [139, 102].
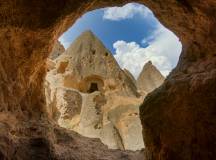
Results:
[91, 115]
[129, 74]
[57, 50]
[149, 78]
[64, 105]
[87, 62]
[126, 120]
[89, 93]
[110, 136]
[50, 64]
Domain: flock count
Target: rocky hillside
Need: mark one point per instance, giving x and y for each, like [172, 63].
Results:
[89, 93]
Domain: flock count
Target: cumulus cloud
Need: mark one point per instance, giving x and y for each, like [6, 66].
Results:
[163, 47]
[128, 11]
[65, 41]
[163, 50]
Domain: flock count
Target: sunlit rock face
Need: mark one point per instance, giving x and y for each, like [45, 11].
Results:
[57, 50]
[87, 80]
[87, 63]
[178, 118]
[149, 78]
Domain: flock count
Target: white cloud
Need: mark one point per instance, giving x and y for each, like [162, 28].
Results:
[66, 42]
[126, 12]
[163, 50]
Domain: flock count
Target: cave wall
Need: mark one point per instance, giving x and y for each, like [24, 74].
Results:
[178, 118]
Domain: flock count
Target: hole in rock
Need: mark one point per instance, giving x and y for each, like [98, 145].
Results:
[93, 87]
[91, 83]
[123, 53]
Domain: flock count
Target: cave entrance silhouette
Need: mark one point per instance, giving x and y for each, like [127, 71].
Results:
[86, 48]
[178, 119]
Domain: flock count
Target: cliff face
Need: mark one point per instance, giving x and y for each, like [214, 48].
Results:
[149, 78]
[89, 93]
[170, 116]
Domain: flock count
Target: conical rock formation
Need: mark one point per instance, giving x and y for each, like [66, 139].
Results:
[149, 78]
[87, 60]
[89, 93]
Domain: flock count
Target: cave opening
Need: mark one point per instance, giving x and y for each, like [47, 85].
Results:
[93, 87]
[101, 53]
[177, 118]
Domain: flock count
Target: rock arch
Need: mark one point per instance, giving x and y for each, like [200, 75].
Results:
[178, 118]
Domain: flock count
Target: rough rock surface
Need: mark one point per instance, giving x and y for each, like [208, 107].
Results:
[57, 50]
[129, 74]
[149, 78]
[89, 70]
[179, 117]
[126, 119]
[57, 143]
[87, 61]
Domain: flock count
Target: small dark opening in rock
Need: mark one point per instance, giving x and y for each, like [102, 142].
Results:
[93, 87]
[106, 54]
[93, 52]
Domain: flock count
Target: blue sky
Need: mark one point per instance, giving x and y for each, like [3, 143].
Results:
[132, 34]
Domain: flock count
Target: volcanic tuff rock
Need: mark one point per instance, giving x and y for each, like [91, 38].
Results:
[86, 61]
[172, 127]
[58, 143]
[88, 70]
[129, 74]
[149, 78]
[57, 50]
